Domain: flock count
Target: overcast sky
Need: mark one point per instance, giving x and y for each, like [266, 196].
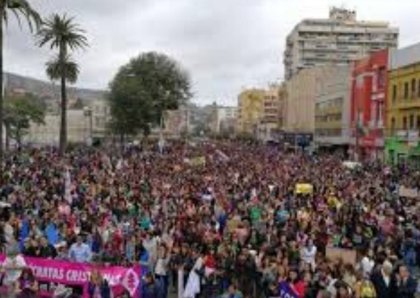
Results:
[225, 45]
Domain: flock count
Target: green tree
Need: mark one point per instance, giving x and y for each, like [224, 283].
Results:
[18, 8]
[19, 113]
[62, 33]
[143, 89]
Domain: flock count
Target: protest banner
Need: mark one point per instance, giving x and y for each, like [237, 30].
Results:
[77, 274]
[304, 188]
[348, 256]
[406, 192]
[198, 161]
[285, 291]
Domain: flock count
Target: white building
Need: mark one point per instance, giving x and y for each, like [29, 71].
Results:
[101, 115]
[225, 119]
[339, 39]
[81, 125]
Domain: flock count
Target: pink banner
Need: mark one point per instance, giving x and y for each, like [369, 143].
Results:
[77, 274]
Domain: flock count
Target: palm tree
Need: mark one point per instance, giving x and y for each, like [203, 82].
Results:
[18, 8]
[62, 33]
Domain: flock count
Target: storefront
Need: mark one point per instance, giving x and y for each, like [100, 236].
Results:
[400, 150]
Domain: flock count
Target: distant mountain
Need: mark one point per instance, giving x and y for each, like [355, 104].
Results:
[47, 90]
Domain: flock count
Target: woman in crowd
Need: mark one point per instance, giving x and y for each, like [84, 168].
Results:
[98, 286]
[27, 285]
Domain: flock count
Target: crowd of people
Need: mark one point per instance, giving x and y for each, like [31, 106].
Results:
[210, 220]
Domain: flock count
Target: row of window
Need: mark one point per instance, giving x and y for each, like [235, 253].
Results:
[414, 90]
[328, 118]
[328, 132]
[407, 122]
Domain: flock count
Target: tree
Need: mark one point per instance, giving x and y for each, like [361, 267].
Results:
[143, 89]
[18, 8]
[19, 113]
[62, 33]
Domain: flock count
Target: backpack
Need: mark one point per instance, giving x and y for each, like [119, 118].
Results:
[367, 290]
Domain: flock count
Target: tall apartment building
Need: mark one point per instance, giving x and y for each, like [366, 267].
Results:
[339, 39]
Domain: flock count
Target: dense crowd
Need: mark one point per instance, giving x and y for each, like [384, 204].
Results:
[223, 217]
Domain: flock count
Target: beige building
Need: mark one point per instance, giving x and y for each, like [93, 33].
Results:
[332, 107]
[77, 129]
[176, 122]
[339, 39]
[300, 103]
[282, 105]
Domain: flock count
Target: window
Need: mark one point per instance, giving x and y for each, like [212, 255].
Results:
[394, 93]
[392, 124]
[418, 89]
[381, 77]
[404, 123]
[413, 87]
[418, 121]
[405, 90]
[411, 121]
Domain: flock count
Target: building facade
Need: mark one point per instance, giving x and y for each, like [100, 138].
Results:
[282, 105]
[332, 108]
[78, 129]
[403, 106]
[83, 125]
[176, 122]
[339, 39]
[300, 102]
[225, 120]
[368, 98]
[250, 111]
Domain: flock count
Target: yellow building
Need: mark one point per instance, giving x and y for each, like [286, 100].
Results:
[403, 106]
[402, 144]
[250, 110]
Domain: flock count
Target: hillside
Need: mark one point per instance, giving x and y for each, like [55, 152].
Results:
[48, 90]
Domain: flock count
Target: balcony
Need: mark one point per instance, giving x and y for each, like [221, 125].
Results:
[406, 104]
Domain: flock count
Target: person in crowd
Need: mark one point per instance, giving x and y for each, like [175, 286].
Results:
[162, 270]
[404, 285]
[382, 280]
[295, 283]
[233, 292]
[12, 268]
[27, 285]
[150, 287]
[46, 250]
[98, 286]
[80, 252]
